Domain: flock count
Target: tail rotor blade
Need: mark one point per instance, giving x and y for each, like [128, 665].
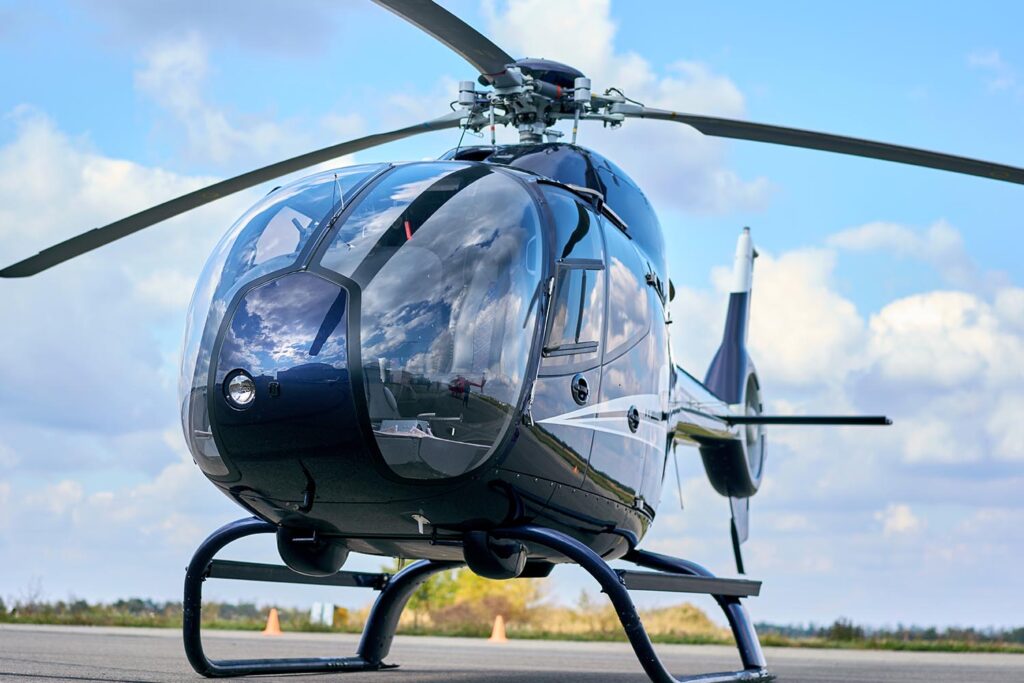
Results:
[679, 481]
[827, 142]
[98, 237]
[739, 526]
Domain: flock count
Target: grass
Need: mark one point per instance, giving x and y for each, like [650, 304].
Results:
[683, 624]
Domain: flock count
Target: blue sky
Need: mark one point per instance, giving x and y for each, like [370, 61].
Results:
[881, 288]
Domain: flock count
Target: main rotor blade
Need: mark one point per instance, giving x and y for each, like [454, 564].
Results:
[486, 57]
[795, 137]
[97, 237]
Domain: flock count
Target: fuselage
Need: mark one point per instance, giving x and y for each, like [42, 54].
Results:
[394, 354]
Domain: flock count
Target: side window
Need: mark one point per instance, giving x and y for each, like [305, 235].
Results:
[629, 310]
[577, 308]
[576, 312]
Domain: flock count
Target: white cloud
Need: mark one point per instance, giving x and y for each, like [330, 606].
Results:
[944, 339]
[8, 458]
[1000, 76]
[801, 330]
[174, 76]
[104, 315]
[146, 530]
[940, 245]
[939, 363]
[790, 522]
[1009, 305]
[934, 438]
[58, 498]
[1006, 426]
[898, 520]
[677, 165]
[167, 288]
[1005, 522]
[41, 162]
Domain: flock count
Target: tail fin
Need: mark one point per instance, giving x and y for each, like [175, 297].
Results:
[728, 371]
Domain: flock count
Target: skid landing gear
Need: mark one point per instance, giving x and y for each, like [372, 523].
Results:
[377, 634]
[671, 574]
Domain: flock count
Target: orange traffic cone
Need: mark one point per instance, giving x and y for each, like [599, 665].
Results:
[498, 632]
[273, 624]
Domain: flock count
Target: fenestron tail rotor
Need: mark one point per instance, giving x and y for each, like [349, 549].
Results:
[98, 237]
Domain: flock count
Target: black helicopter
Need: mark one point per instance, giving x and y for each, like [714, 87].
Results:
[466, 360]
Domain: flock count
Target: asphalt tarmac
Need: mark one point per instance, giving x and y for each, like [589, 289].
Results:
[57, 653]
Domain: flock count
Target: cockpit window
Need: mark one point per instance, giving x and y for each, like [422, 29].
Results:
[268, 237]
[448, 260]
[629, 307]
[385, 217]
[577, 309]
[576, 312]
[272, 233]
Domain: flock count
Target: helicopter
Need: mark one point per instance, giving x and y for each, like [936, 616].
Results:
[467, 360]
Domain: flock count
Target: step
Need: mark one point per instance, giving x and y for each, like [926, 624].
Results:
[680, 583]
[253, 571]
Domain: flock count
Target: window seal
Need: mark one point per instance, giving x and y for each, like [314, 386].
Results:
[592, 197]
[570, 349]
[580, 264]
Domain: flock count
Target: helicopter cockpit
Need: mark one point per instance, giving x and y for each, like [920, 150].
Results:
[448, 259]
[398, 299]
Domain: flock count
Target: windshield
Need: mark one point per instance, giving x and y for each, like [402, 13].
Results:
[268, 237]
[447, 256]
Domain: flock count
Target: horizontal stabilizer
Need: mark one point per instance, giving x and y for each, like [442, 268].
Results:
[806, 420]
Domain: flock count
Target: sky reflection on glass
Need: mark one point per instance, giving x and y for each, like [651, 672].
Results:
[268, 237]
[450, 262]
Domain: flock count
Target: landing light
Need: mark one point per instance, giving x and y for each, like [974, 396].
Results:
[240, 389]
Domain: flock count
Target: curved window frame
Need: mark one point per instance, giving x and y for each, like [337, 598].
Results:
[587, 359]
[227, 472]
[504, 440]
[578, 345]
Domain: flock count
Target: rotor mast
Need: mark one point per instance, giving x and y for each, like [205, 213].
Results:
[524, 101]
[533, 106]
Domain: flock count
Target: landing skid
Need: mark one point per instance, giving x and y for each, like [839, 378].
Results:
[378, 633]
[671, 574]
[615, 585]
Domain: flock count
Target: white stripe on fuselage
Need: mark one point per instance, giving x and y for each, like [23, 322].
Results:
[652, 428]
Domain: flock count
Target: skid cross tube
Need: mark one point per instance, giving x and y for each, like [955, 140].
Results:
[377, 634]
[754, 667]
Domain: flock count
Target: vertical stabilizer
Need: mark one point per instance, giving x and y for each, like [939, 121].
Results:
[728, 371]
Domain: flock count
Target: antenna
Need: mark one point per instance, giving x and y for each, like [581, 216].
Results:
[340, 191]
